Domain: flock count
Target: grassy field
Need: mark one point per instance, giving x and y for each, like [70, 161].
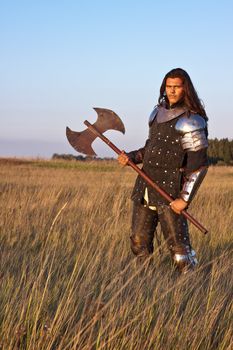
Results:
[68, 278]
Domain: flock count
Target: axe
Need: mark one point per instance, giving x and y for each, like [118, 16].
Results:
[109, 120]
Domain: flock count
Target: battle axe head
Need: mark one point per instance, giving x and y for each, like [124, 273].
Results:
[82, 141]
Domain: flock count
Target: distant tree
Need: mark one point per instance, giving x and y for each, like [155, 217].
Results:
[227, 153]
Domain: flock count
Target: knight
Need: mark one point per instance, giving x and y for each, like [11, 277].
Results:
[175, 158]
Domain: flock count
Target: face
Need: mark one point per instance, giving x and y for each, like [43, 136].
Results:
[174, 90]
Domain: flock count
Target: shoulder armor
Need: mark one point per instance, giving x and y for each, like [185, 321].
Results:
[192, 131]
[189, 124]
[153, 115]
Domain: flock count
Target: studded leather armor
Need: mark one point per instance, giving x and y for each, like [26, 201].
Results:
[163, 157]
[165, 161]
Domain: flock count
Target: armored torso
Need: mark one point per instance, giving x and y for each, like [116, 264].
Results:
[163, 158]
[172, 133]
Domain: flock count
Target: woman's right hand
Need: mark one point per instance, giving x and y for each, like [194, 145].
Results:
[123, 159]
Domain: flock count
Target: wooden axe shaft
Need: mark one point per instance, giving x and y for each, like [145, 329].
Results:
[145, 177]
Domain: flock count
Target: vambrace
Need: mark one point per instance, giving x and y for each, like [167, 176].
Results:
[192, 183]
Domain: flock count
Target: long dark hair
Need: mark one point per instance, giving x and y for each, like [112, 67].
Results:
[191, 99]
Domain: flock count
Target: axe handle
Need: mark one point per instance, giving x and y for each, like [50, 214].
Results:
[102, 137]
[145, 177]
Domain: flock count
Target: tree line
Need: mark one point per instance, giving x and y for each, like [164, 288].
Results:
[57, 156]
[220, 152]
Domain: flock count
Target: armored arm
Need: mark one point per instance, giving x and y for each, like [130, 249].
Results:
[137, 155]
[191, 184]
[193, 131]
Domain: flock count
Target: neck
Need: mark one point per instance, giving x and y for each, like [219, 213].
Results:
[174, 105]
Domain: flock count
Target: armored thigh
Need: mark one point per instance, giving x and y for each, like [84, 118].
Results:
[175, 231]
[144, 222]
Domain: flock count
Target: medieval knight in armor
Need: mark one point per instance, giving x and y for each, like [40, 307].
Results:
[175, 158]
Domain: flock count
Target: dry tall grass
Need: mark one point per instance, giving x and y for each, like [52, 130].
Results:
[69, 280]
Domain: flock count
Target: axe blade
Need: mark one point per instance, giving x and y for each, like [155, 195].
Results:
[108, 120]
[82, 141]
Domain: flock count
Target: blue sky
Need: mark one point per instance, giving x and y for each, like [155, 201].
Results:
[61, 58]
